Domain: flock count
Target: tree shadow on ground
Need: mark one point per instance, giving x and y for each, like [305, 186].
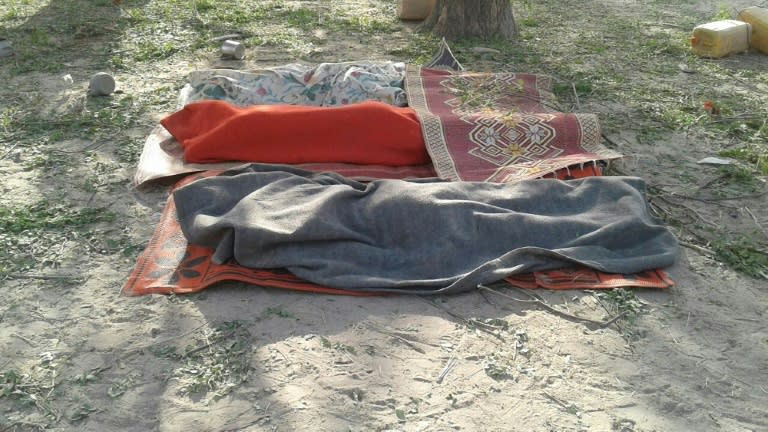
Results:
[702, 338]
[55, 37]
[365, 354]
[335, 342]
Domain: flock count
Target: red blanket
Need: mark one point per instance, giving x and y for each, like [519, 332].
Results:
[366, 133]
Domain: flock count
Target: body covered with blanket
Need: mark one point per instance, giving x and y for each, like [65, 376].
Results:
[425, 236]
[363, 133]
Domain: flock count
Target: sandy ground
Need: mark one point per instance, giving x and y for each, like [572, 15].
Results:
[696, 358]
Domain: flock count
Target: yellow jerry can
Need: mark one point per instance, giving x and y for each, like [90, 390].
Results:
[721, 38]
[757, 17]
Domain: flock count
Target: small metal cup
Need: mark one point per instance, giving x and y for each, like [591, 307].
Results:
[233, 49]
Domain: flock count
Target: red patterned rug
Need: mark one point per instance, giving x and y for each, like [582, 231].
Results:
[499, 127]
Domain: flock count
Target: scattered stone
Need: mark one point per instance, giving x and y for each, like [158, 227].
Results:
[715, 161]
[484, 50]
[225, 37]
[6, 50]
[102, 84]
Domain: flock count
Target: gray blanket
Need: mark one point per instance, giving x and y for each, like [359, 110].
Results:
[420, 236]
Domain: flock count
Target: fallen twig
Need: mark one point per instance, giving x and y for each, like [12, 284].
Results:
[491, 330]
[72, 278]
[164, 341]
[757, 222]
[757, 195]
[567, 408]
[545, 305]
[704, 200]
[401, 338]
[225, 37]
[712, 181]
[660, 212]
[32, 344]
[714, 201]
[738, 117]
[690, 209]
[208, 344]
[576, 95]
[613, 143]
[488, 299]
[666, 24]
[448, 366]
[247, 425]
[626, 405]
[697, 248]
[9, 151]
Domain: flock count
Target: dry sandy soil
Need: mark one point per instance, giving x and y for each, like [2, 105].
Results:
[694, 359]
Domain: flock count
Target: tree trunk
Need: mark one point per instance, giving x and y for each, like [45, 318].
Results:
[486, 19]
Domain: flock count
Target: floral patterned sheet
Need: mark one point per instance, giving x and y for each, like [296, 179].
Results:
[326, 84]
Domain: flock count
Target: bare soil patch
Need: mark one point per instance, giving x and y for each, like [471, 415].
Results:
[76, 355]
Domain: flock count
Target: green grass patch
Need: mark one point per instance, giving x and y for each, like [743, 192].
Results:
[218, 363]
[662, 44]
[742, 254]
[676, 117]
[499, 366]
[738, 179]
[53, 161]
[743, 130]
[99, 118]
[623, 301]
[649, 135]
[149, 50]
[39, 37]
[45, 34]
[366, 24]
[129, 149]
[303, 17]
[278, 311]
[81, 412]
[419, 49]
[203, 6]
[337, 346]
[8, 117]
[754, 155]
[45, 214]
[583, 88]
[33, 388]
[723, 13]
